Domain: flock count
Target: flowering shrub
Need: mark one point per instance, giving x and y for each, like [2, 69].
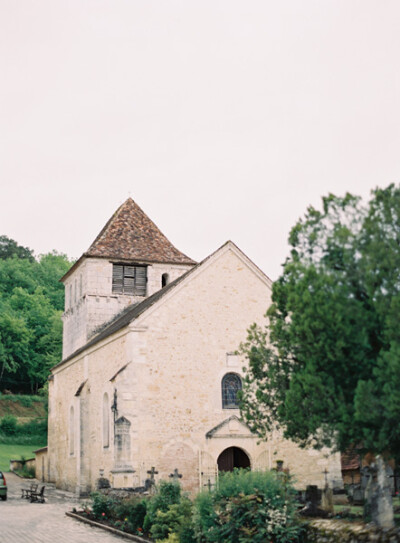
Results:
[102, 506]
[247, 506]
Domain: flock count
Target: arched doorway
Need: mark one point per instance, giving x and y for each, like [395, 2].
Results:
[231, 458]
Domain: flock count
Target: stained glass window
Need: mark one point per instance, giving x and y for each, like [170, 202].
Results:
[231, 384]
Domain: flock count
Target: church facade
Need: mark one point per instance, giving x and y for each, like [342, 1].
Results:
[149, 375]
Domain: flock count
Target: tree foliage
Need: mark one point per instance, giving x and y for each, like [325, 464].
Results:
[326, 368]
[31, 301]
[10, 248]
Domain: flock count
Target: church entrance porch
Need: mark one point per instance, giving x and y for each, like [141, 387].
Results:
[232, 458]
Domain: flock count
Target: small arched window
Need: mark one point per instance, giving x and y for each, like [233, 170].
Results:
[106, 421]
[71, 431]
[231, 384]
[164, 280]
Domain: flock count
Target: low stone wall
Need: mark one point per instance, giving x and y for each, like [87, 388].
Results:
[339, 531]
[16, 465]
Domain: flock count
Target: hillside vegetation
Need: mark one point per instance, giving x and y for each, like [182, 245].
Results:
[23, 407]
[31, 303]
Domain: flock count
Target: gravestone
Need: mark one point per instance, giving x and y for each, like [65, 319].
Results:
[311, 508]
[175, 475]
[102, 482]
[357, 497]
[381, 497]
[150, 482]
[327, 495]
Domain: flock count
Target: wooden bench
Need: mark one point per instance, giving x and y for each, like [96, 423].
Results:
[26, 492]
[38, 496]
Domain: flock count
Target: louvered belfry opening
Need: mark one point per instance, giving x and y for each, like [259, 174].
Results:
[129, 279]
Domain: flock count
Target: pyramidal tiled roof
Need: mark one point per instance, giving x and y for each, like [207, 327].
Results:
[131, 235]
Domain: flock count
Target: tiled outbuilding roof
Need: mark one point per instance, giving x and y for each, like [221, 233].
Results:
[350, 460]
[131, 236]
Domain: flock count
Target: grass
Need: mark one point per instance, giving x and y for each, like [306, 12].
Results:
[14, 452]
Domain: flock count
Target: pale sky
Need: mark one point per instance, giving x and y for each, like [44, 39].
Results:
[221, 119]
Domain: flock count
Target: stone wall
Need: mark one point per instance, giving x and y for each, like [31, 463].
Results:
[335, 531]
[90, 302]
[41, 465]
[16, 465]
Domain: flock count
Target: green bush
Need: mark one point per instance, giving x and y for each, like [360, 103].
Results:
[126, 515]
[8, 425]
[25, 401]
[102, 506]
[27, 472]
[247, 507]
[36, 429]
[167, 494]
[176, 520]
[132, 511]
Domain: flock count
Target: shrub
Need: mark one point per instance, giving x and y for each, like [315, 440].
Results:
[102, 506]
[35, 429]
[167, 494]
[132, 511]
[8, 425]
[26, 471]
[247, 507]
[176, 520]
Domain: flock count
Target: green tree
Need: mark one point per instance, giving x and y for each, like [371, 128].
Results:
[51, 267]
[15, 337]
[31, 301]
[326, 367]
[44, 323]
[10, 248]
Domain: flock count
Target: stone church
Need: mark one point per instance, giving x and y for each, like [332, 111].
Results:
[149, 377]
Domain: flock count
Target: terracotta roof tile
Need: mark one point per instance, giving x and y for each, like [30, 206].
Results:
[131, 235]
[350, 460]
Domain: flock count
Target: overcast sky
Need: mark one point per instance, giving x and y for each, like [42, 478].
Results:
[221, 119]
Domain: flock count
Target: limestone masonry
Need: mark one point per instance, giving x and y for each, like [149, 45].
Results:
[149, 372]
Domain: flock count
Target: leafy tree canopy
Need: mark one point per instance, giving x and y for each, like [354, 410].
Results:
[31, 302]
[326, 368]
[10, 248]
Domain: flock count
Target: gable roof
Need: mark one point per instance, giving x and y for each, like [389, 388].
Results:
[130, 235]
[218, 431]
[133, 311]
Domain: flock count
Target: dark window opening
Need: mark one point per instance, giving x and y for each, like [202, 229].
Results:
[164, 280]
[129, 279]
[231, 384]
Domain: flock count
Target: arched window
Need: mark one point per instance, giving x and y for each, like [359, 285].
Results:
[106, 421]
[71, 431]
[231, 384]
[164, 280]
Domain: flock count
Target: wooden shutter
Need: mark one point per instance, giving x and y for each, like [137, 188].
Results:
[118, 278]
[129, 279]
[140, 280]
